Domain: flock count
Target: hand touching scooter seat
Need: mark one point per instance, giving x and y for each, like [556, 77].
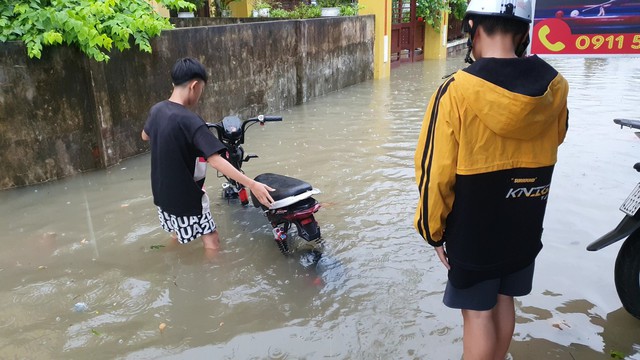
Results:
[261, 192]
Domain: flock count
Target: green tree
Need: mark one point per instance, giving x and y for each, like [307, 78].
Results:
[94, 26]
[431, 10]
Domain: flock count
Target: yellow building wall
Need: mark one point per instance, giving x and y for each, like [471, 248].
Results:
[435, 43]
[241, 8]
[159, 8]
[381, 47]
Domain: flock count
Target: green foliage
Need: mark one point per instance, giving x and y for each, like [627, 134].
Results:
[262, 4]
[197, 3]
[333, 3]
[458, 8]
[350, 9]
[431, 10]
[94, 26]
[303, 11]
[280, 13]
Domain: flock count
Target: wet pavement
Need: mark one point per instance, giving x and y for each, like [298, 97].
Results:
[86, 271]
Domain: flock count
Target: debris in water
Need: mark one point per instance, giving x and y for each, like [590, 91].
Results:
[162, 327]
[94, 332]
[42, 267]
[156, 247]
[560, 325]
[80, 307]
[616, 354]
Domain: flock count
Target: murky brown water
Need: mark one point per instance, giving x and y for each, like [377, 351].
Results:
[89, 239]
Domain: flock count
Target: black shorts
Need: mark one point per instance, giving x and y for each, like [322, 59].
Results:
[484, 295]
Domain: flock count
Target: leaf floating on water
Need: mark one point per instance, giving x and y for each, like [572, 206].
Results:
[162, 327]
[616, 354]
[156, 247]
[42, 267]
[94, 332]
[561, 325]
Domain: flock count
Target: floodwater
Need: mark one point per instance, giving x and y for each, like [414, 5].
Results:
[83, 273]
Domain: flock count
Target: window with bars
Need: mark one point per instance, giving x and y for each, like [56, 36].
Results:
[401, 11]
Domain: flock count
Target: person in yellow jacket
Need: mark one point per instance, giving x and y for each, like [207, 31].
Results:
[484, 161]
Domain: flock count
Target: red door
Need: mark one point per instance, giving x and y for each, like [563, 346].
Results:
[407, 33]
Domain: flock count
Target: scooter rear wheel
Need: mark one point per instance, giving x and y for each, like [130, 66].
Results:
[627, 274]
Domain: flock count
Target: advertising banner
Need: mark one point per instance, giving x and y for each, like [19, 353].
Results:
[582, 27]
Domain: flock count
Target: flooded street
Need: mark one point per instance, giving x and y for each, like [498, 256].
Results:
[84, 274]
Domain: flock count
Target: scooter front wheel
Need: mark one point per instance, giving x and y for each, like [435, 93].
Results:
[627, 274]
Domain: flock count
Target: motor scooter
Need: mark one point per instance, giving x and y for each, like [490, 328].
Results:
[627, 266]
[294, 204]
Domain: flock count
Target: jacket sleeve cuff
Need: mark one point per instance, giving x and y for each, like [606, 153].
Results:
[435, 243]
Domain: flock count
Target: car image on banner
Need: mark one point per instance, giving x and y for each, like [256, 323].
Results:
[579, 27]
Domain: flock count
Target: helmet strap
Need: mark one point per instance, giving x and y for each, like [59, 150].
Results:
[522, 47]
[472, 32]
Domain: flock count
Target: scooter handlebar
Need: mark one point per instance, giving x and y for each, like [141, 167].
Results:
[220, 127]
[263, 118]
[273, 118]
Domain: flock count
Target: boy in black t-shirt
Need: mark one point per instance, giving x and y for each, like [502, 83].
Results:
[181, 148]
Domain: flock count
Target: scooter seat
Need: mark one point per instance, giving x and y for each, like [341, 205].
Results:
[285, 186]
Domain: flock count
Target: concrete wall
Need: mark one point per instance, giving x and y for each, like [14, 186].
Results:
[64, 113]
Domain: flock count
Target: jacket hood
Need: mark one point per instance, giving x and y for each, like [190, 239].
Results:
[504, 111]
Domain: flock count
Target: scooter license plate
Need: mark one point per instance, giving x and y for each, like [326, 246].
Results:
[632, 204]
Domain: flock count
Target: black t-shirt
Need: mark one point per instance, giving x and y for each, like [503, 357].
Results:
[180, 144]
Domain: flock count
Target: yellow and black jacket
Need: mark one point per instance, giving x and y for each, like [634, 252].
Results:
[484, 162]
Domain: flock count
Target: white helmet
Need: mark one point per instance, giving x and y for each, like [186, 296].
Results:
[516, 9]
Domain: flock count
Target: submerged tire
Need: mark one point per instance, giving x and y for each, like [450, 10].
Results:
[627, 274]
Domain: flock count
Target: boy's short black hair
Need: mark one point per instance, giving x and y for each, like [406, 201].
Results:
[498, 24]
[187, 69]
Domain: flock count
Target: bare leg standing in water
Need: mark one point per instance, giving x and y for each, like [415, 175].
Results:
[487, 334]
[211, 244]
